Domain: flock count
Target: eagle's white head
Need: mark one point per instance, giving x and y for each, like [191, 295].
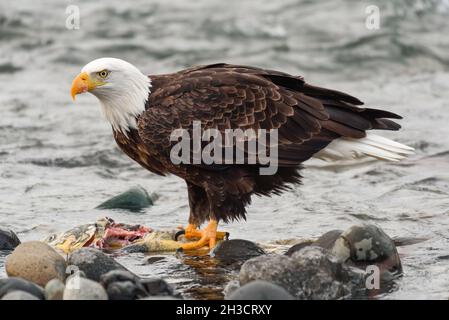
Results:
[121, 88]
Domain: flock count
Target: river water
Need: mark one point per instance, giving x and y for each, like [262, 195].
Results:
[58, 160]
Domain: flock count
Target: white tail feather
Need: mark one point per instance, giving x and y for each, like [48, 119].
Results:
[371, 146]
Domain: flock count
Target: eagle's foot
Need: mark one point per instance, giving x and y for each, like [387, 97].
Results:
[207, 237]
[191, 232]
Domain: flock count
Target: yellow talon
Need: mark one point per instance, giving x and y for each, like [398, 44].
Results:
[207, 237]
[192, 232]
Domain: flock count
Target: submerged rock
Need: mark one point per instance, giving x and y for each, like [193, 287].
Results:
[8, 240]
[311, 273]
[19, 295]
[79, 288]
[134, 199]
[364, 245]
[17, 284]
[158, 287]
[37, 262]
[260, 290]
[54, 290]
[153, 259]
[236, 250]
[93, 262]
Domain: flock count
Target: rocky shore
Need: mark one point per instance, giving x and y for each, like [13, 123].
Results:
[359, 262]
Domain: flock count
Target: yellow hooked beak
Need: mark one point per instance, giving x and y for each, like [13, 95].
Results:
[82, 83]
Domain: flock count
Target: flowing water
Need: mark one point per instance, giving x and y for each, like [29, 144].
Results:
[58, 160]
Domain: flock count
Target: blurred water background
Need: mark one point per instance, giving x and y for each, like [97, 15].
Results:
[58, 160]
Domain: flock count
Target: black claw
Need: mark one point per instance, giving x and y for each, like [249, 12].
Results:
[179, 233]
[180, 250]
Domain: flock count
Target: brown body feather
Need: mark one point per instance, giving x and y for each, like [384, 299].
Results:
[225, 96]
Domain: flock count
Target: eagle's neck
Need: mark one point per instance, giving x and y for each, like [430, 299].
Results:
[122, 107]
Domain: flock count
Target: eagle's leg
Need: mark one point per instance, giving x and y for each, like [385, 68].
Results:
[208, 237]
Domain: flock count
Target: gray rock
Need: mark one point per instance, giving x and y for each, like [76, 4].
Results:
[17, 284]
[8, 239]
[236, 250]
[230, 287]
[123, 285]
[153, 259]
[157, 287]
[37, 262]
[311, 273]
[19, 295]
[93, 262]
[366, 244]
[260, 290]
[54, 290]
[160, 298]
[134, 199]
[328, 239]
[79, 288]
[299, 246]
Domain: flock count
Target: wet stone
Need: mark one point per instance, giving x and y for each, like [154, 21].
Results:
[328, 239]
[134, 199]
[260, 290]
[160, 298]
[153, 259]
[93, 262]
[158, 287]
[311, 273]
[364, 245]
[8, 240]
[230, 287]
[298, 247]
[17, 284]
[123, 285]
[236, 250]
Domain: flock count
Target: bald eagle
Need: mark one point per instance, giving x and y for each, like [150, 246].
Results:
[310, 122]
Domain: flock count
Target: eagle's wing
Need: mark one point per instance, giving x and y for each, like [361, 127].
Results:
[236, 97]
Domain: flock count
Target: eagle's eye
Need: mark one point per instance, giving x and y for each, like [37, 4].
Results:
[103, 73]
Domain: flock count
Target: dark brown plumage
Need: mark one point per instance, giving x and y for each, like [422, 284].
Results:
[226, 96]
